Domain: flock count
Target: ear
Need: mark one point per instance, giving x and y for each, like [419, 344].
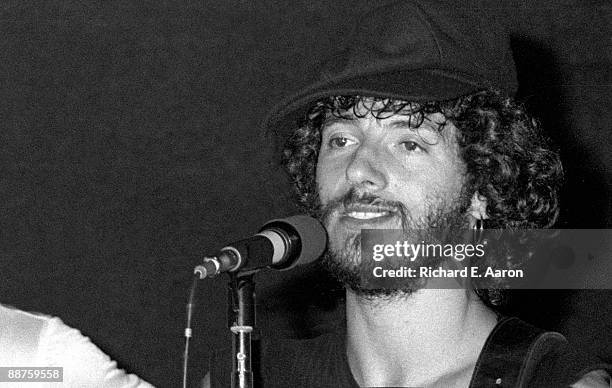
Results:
[478, 209]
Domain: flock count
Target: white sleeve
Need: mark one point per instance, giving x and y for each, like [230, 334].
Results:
[85, 365]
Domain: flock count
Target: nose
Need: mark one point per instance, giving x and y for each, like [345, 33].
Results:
[365, 170]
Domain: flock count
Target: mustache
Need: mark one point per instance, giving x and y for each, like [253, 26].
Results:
[354, 198]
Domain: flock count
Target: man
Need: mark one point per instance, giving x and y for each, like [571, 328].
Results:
[30, 340]
[414, 127]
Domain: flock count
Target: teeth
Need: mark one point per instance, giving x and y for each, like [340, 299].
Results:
[367, 215]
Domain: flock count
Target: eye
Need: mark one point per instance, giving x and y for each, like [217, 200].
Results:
[411, 146]
[340, 142]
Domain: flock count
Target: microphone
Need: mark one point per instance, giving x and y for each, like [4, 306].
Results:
[280, 244]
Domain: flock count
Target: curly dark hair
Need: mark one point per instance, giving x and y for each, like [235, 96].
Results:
[509, 160]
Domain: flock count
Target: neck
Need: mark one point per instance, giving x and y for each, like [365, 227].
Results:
[421, 339]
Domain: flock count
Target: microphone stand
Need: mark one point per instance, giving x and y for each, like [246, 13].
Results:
[241, 322]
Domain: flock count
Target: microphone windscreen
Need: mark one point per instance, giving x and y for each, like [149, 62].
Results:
[312, 236]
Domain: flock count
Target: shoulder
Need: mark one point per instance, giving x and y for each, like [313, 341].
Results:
[521, 354]
[84, 364]
[40, 340]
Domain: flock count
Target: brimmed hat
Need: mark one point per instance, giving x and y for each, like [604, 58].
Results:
[414, 51]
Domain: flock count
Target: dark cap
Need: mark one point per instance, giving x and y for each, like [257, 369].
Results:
[414, 51]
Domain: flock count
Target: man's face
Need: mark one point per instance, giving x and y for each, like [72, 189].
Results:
[386, 174]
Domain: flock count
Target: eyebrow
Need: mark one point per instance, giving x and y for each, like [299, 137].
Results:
[401, 123]
[332, 119]
[407, 124]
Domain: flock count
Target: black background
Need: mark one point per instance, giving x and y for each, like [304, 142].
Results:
[130, 145]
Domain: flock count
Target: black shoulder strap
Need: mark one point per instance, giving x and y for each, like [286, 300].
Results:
[512, 354]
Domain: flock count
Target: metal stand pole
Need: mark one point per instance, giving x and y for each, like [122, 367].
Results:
[241, 322]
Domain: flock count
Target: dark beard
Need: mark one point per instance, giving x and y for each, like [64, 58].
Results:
[443, 223]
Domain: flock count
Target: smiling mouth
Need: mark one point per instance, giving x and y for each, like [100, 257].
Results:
[367, 215]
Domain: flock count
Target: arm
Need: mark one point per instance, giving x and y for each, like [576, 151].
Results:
[85, 365]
